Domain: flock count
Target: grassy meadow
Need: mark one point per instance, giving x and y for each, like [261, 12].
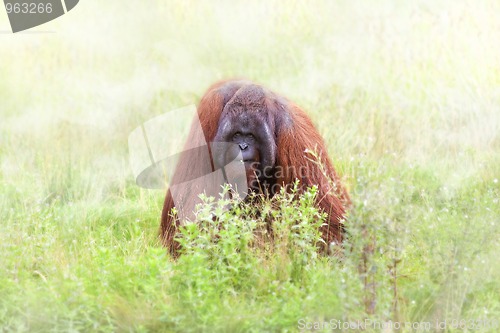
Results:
[405, 93]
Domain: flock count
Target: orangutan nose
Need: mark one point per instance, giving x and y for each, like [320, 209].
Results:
[243, 146]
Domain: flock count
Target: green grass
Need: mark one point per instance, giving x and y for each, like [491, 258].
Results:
[405, 94]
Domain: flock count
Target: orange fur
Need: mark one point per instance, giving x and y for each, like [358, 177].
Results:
[295, 133]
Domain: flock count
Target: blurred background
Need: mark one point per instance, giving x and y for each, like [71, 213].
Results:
[404, 92]
[417, 78]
